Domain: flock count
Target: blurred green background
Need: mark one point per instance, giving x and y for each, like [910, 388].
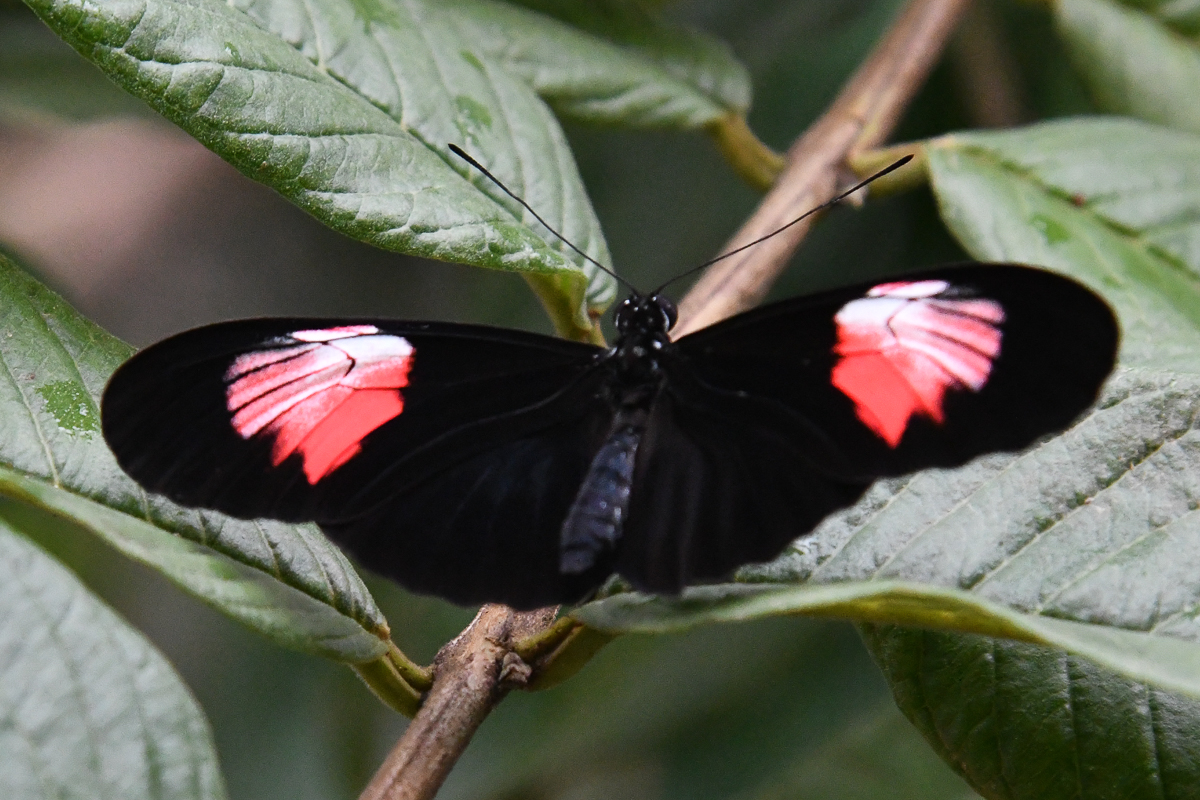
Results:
[147, 233]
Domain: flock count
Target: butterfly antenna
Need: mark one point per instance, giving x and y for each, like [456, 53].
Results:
[891, 168]
[458, 151]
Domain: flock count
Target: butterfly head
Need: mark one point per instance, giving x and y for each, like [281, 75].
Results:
[645, 314]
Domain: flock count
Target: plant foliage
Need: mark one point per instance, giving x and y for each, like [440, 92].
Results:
[1034, 614]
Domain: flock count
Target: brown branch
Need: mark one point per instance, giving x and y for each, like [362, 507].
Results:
[475, 671]
[864, 114]
[470, 675]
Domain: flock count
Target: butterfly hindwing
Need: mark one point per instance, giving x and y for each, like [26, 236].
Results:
[487, 528]
[931, 370]
[715, 491]
[323, 419]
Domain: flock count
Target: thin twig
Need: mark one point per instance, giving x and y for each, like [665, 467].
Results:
[474, 672]
[864, 114]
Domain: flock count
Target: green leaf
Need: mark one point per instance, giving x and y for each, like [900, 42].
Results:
[90, 708]
[1114, 203]
[1097, 525]
[286, 581]
[250, 595]
[1162, 660]
[660, 75]
[1020, 721]
[321, 118]
[1139, 58]
[347, 108]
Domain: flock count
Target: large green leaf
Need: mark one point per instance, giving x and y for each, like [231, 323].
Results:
[1020, 721]
[286, 581]
[333, 148]
[347, 109]
[1116, 204]
[1141, 57]
[1096, 525]
[90, 709]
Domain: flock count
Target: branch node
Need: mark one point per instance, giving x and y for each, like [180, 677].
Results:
[514, 672]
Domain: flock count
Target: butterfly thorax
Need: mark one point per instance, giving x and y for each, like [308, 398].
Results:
[642, 324]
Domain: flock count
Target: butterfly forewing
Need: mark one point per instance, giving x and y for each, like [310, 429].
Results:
[322, 419]
[929, 371]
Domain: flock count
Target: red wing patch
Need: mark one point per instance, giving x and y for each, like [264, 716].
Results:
[319, 393]
[902, 346]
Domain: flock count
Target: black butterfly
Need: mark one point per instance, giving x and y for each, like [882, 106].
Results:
[483, 464]
[491, 465]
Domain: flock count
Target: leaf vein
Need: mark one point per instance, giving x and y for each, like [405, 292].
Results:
[1128, 470]
[320, 562]
[33, 419]
[895, 497]
[52, 629]
[276, 570]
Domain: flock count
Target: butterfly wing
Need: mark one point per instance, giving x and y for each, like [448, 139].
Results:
[716, 490]
[927, 371]
[773, 419]
[448, 456]
[487, 528]
[441, 453]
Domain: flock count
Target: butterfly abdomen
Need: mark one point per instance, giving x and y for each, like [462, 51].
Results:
[594, 523]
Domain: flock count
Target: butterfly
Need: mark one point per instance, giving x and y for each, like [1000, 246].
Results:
[482, 464]
[490, 465]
